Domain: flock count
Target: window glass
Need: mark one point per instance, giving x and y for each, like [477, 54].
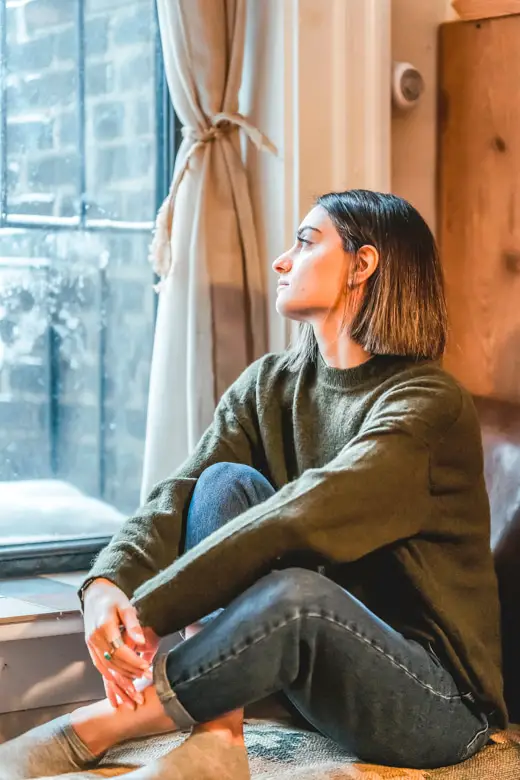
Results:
[79, 149]
[120, 110]
[41, 101]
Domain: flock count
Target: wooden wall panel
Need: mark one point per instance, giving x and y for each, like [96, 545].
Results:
[479, 201]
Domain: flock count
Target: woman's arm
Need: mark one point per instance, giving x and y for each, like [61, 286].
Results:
[148, 542]
[374, 493]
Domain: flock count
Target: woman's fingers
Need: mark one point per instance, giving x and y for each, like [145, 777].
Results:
[149, 657]
[96, 660]
[125, 687]
[121, 669]
[107, 610]
[111, 693]
[123, 656]
[102, 666]
[123, 663]
[107, 639]
[129, 696]
[119, 665]
[145, 652]
[131, 624]
[126, 660]
[118, 696]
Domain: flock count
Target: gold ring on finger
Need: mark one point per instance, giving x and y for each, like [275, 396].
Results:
[115, 644]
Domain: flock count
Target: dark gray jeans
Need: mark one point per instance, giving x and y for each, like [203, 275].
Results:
[381, 696]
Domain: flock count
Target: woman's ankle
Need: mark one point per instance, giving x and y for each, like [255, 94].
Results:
[96, 726]
[100, 726]
[230, 727]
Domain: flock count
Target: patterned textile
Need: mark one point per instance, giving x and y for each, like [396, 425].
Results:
[281, 751]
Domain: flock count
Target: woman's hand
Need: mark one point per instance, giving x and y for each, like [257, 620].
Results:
[106, 609]
[151, 645]
[147, 653]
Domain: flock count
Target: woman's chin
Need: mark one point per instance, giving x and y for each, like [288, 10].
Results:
[288, 312]
[285, 309]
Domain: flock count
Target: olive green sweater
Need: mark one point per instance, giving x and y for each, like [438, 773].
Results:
[379, 476]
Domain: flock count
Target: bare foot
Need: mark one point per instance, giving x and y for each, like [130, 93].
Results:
[100, 726]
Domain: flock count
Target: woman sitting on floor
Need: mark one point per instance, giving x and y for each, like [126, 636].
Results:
[353, 452]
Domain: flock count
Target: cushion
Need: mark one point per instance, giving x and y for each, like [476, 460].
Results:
[282, 751]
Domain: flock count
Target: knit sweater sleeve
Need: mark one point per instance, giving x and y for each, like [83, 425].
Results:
[375, 492]
[148, 542]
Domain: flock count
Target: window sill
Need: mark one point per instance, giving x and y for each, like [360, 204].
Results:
[39, 606]
[44, 661]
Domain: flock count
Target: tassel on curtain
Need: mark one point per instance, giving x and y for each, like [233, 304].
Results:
[222, 123]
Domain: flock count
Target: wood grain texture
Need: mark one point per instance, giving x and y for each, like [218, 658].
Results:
[485, 9]
[479, 201]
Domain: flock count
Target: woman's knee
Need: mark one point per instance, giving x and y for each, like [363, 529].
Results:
[222, 492]
[226, 476]
[226, 473]
[293, 588]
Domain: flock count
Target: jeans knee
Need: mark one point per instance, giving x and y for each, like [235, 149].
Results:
[228, 475]
[222, 492]
[294, 587]
[225, 472]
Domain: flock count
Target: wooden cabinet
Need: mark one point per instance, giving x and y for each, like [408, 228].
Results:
[479, 201]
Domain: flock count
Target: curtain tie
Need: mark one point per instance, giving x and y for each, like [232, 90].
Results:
[220, 125]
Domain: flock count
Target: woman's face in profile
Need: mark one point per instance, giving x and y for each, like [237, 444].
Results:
[313, 272]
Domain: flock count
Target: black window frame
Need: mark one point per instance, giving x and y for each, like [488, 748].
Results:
[77, 554]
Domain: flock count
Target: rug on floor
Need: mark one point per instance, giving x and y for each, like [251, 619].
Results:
[280, 751]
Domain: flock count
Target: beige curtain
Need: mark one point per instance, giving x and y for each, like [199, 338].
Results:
[211, 320]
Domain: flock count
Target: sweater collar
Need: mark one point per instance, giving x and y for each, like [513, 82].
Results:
[373, 370]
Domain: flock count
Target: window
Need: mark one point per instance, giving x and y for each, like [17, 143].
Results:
[84, 124]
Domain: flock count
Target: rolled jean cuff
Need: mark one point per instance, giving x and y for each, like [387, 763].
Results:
[168, 697]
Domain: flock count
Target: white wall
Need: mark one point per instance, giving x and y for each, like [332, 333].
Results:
[317, 81]
[414, 135]
[316, 73]
[267, 98]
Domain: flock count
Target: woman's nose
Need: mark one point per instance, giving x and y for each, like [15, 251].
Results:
[282, 264]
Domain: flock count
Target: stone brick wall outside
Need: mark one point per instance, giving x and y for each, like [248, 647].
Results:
[77, 306]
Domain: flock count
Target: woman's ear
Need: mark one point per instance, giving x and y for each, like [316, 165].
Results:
[365, 263]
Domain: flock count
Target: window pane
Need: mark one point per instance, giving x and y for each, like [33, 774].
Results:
[120, 109]
[76, 329]
[43, 157]
[129, 316]
[25, 384]
[77, 306]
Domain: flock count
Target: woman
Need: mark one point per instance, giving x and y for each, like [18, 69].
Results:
[335, 513]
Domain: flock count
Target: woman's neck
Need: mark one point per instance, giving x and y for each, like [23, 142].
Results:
[337, 348]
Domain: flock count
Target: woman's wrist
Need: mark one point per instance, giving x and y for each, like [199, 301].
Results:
[87, 586]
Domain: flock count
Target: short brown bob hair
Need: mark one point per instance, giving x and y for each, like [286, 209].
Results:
[403, 310]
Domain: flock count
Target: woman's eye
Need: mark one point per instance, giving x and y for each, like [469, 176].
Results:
[304, 241]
